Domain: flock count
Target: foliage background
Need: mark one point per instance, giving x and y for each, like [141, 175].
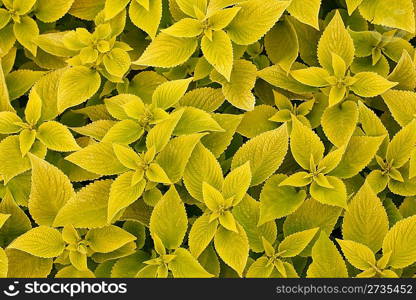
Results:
[196, 138]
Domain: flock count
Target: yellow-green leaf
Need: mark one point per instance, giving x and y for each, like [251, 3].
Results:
[327, 262]
[42, 241]
[335, 39]
[306, 12]
[218, 52]
[399, 240]
[169, 220]
[243, 30]
[366, 220]
[167, 51]
[77, 85]
[50, 190]
[97, 158]
[265, 153]
[232, 247]
[93, 199]
[56, 136]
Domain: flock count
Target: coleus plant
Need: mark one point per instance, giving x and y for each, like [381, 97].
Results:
[207, 138]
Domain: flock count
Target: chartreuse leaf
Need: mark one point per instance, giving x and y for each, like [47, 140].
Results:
[237, 89]
[107, 239]
[18, 222]
[312, 214]
[278, 77]
[159, 135]
[397, 14]
[184, 265]
[8, 122]
[169, 220]
[123, 193]
[93, 199]
[175, 156]
[265, 153]
[18, 87]
[369, 84]
[218, 142]
[52, 43]
[114, 7]
[195, 120]
[404, 73]
[26, 32]
[186, 27]
[352, 5]
[3, 218]
[399, 241]
[304, 144]
[26, 139]
[243, 31]
[294, 244]
[237, 182]
[72, 272]
[128, 266]
[339, 122]
[337, 40]
[247, 214]
[189, 6]
[48, 12]
[307, 14]
[4, 93]
[337, 195]
[11, 161]
[4, 263]
[47, 89]
[402, 105]
[326, 260]
[56, 136]
[208, 99]
[97, 158]
[42, 241]
[24, 265]
[123, 132]
[278, 201]
[366, 220]
[117, 62]
[202, 167]
[358, 154]
[22, 7]
[218, 52]
[400, 147]
[261, 268]
[201, 234]
[167, 51]
[50, 191]
[169, 93]
[359, 255]
[237, 255]
[210, 261]
[97, 129]
[281, 44]
[221, 18]
[147, 19]
[86, 10]
[262, 115]
[115, 105]
[313, 76]
[33, 108]
[77, 85]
